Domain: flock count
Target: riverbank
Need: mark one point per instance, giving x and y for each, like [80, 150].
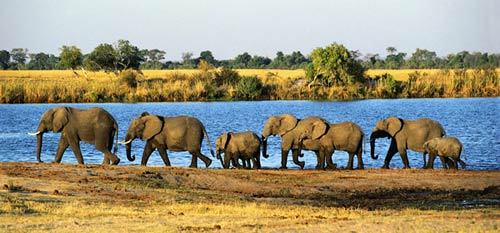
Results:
[66, 86]
[95, 198]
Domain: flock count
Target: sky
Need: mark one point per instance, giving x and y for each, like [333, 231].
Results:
[259, 27]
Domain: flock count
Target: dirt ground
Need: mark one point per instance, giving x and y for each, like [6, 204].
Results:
[364, 190]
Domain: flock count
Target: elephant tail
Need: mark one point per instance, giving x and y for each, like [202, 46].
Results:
[116, 135]
[208, 141]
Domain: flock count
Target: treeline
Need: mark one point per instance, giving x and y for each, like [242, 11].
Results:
[123, 55]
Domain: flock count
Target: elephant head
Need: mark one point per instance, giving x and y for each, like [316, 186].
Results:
[52, 120]
[220, 147]
[144, 127]
[385, 128]
[277, 125]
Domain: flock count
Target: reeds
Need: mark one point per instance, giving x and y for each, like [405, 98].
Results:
[209, 84]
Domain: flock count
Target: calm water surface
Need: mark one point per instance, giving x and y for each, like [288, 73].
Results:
[473, 121]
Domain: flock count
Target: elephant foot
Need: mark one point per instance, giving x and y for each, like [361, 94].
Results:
[331, 166]
[301, 164]
[385, 167]
[116, 162]
[283, 168]
[207, 164]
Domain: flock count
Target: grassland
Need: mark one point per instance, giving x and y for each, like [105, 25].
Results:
[199, 85]
[94, 198]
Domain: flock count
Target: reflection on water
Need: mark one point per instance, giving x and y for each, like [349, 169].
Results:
[473, 121]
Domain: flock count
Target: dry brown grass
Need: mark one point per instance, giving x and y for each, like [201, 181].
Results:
[94, 198]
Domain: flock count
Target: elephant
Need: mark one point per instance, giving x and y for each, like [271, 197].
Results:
[95, 126]
[180, 133]
[404, 134]
[244, 146]
[344, 136]
[292, 131]
[449, 147]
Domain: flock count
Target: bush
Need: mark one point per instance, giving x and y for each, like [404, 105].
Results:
[249, 88]
[129, 77]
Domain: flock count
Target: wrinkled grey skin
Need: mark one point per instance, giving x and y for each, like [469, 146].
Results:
[344, 136]
[181, 133]
[244, 146]
[404, 134]
[293, 131]
[95, 126]
[449, 147]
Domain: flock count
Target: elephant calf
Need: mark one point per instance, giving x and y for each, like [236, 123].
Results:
[444, 147]
[244, 146]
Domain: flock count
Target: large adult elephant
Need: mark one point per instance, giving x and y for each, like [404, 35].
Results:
[292, 131]
[404, 134]
[95, 126]
[181, 133]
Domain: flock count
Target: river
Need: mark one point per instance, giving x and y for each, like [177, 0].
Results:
[474, 121]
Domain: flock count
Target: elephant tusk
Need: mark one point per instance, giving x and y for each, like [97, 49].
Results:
[125, 142]
[34, 134]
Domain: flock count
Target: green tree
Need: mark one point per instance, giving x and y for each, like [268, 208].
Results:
[71, 57]
[249, 88]
[103, 57]
[4, 59]
[258, 62]
[40, 61]
[19, 55]
[187, 60]
[334, 65]
[242, 60]
[153, 58]
[394, 61]
[208, 57]
[422, 59]
[128, 55]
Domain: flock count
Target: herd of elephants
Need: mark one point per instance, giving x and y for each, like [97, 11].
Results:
[184, 133]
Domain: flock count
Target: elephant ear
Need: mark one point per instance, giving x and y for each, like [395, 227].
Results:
[225, 140]
[319, 128]
[394, 125]
[286, 123]
[60, 119]
[152, 126]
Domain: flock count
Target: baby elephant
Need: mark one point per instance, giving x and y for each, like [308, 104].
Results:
[445, 148]
[244, 146]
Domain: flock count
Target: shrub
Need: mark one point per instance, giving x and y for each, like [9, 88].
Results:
[129, 77]
[249, 88]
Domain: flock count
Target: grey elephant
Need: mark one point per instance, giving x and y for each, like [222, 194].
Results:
[404, 134]
[244, 146]
[181, 133]
[293, 131]
[95, 126]
[449, 147]
[344, 136]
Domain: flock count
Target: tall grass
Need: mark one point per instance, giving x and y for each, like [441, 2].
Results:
[204, 85]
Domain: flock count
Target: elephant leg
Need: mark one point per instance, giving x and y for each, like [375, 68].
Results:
[423, 157]
[359, 154]
[295, 155]
[430, 162]
[164, 156]
[108, 156]
[404, 157]
[148, 149]
[256, 162]
[455, 160]
[63, 145]
[198, 154]
[75, 146]
[444, 162]
[284, 158]
[350, 162]
[329, 159]
[393, 149]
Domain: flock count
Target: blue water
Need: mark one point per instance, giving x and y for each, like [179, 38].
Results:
[475, 121]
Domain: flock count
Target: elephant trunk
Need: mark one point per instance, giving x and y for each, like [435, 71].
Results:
[39, 138]
[264, 147]
[372, 146]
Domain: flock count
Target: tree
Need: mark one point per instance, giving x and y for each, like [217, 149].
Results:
[187, 60]
[334, 65]
[40, 61]
[391, 50]
[19, 55]
[103, 57]
[153, 58]
[4, 59]
[258, 62]
[71, 57]
[128, 55]
[394, 61]
[208, 57]
[242, 60]
[423, 59]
